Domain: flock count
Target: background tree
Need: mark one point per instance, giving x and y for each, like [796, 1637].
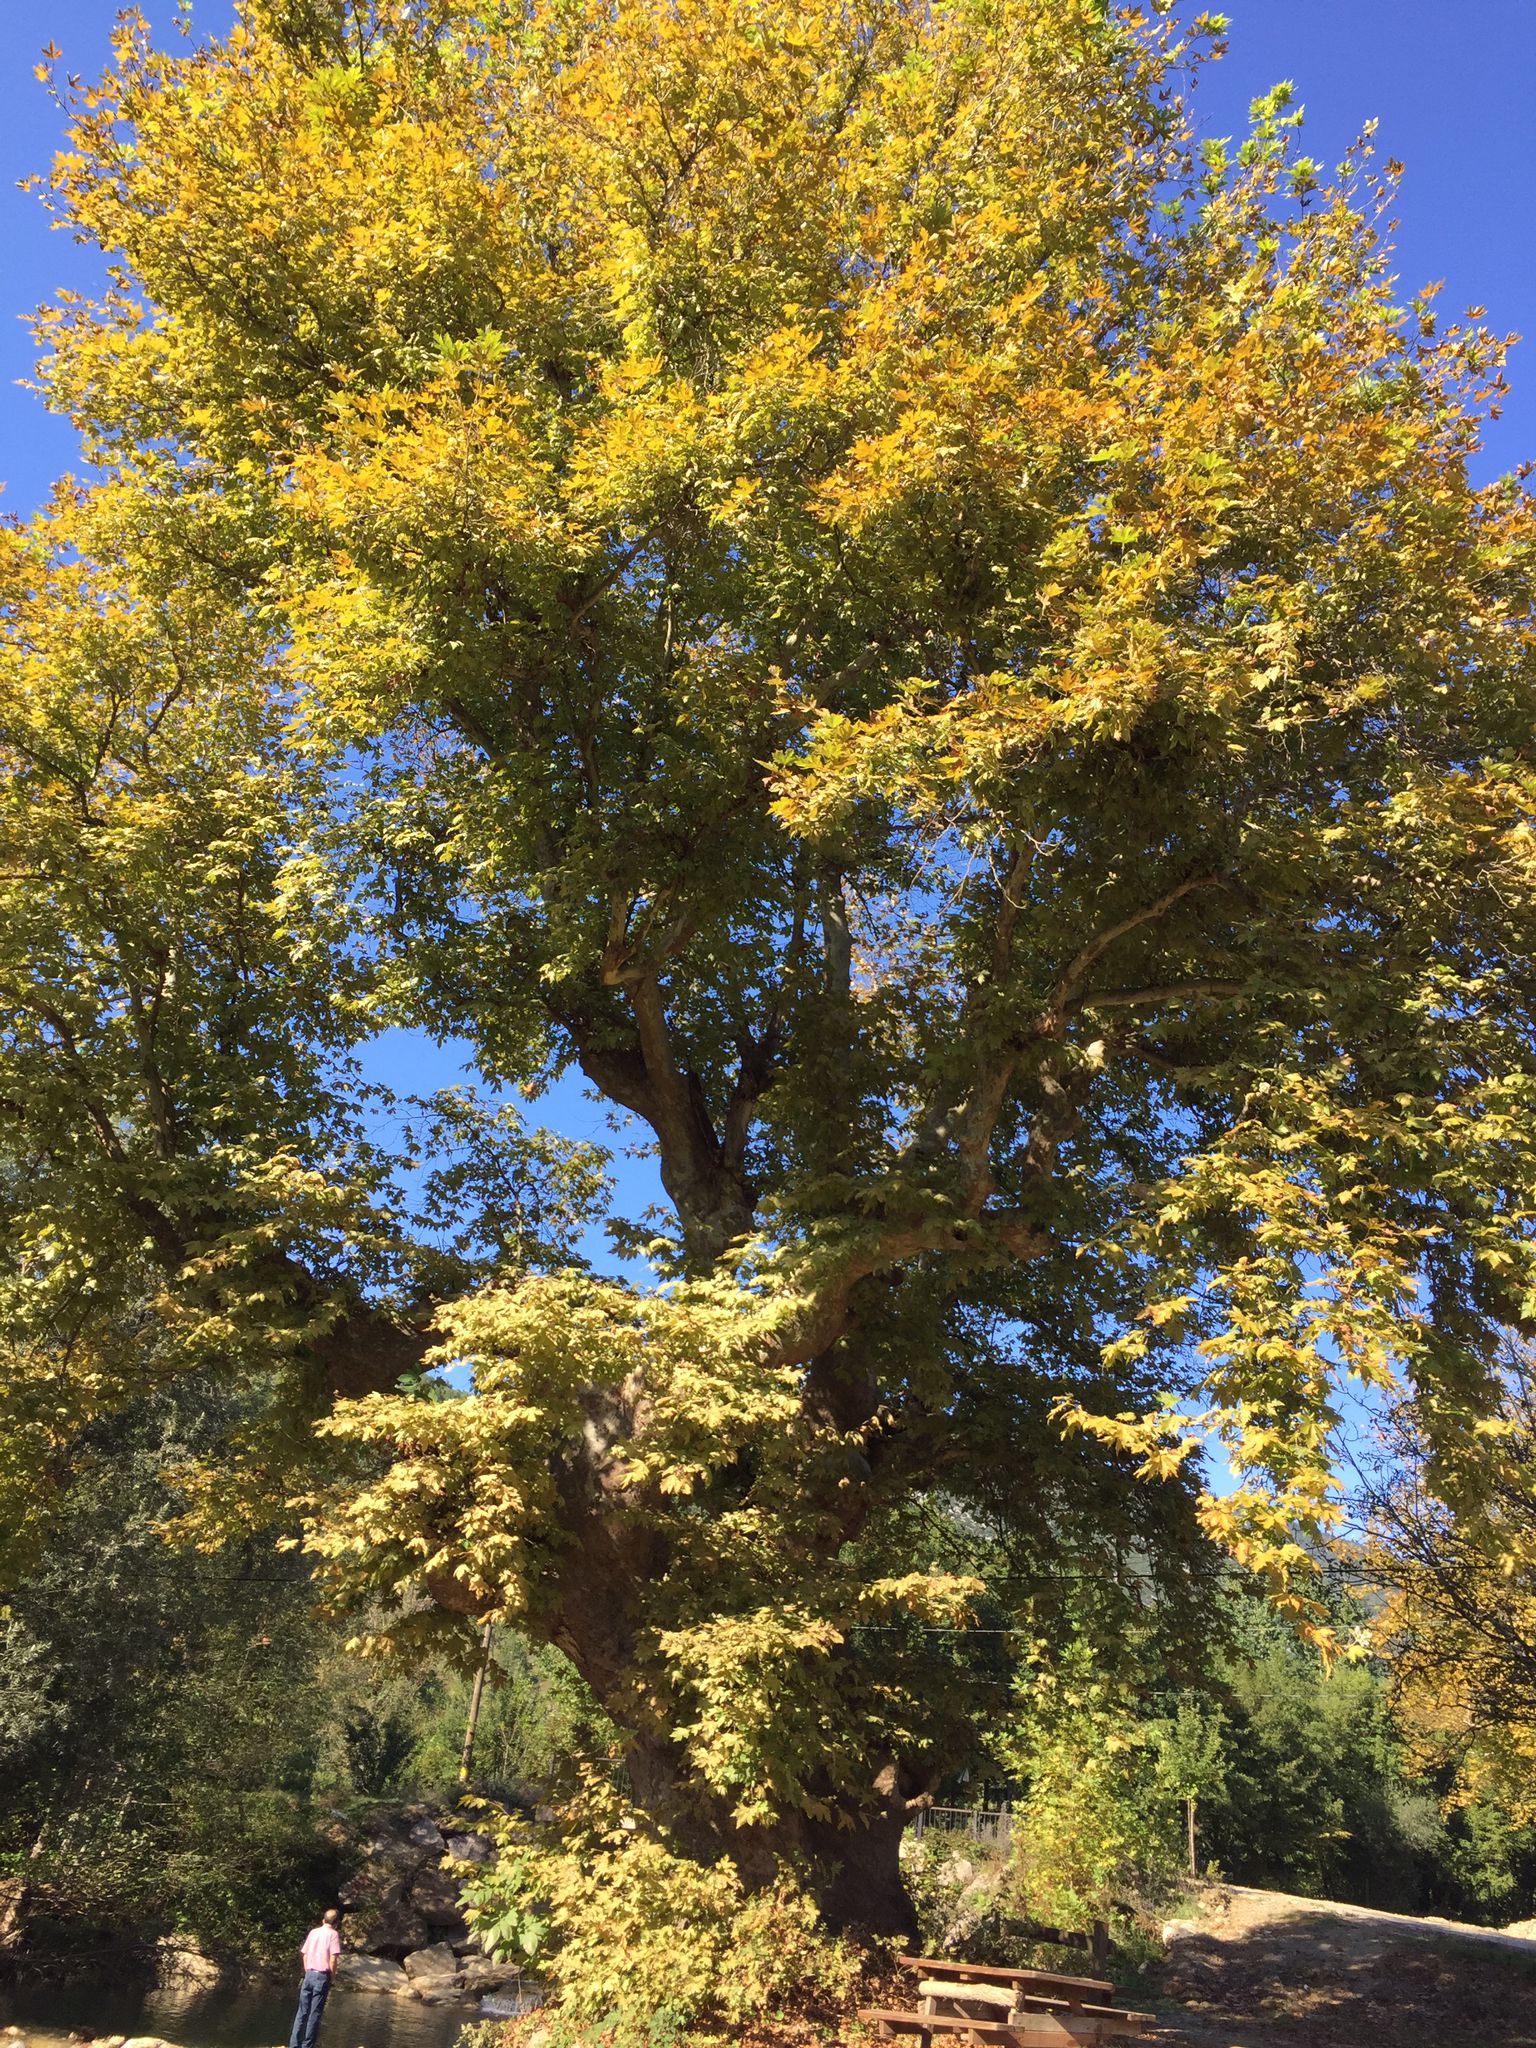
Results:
[1457, 1621]
[185, 1750]
[158, 1747]
[838, 575]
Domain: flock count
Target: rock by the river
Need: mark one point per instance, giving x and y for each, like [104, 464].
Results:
[470, 1848]
[369, 1879]
[182, 1967]
[371, 1973]
[407, 1840]
[395, 1926]
[435, 1896]
[481, 1975]
[433, 1968]
[403, 1898]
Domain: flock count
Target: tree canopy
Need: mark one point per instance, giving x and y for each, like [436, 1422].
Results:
[833, 571]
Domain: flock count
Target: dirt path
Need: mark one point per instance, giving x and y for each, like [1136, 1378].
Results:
[1266, 1970]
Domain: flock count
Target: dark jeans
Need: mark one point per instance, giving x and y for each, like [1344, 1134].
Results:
[313, 1993]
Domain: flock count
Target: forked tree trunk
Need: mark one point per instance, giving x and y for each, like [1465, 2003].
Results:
[612, 1555]
[853, 1860]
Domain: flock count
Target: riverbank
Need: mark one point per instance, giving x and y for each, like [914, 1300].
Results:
[65, 2013]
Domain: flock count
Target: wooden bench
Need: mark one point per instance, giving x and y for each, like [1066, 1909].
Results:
[1028, 2008]
[1041, 1983]
[1029, 2029]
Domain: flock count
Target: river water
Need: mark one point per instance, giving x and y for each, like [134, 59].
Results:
[250, 2016]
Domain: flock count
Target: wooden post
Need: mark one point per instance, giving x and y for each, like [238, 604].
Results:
[1189, 1826]
[1098, 1946]
[474, 1706]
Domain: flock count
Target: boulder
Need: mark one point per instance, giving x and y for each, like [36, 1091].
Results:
[393, 1927]
[481, 1976]
[435, 1896]
[146, 2041]
[471, 1848]
[433, 1968]
[422, 1832]
[391, 1854]
[369, 1881]
[406, 1841]
[371, 1973]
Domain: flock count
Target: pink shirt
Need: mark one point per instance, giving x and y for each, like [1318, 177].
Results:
[322, 1945]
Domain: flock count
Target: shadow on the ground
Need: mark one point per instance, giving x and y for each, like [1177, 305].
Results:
[1306, 1980]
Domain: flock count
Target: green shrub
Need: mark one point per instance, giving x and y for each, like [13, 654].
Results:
[644, 1944]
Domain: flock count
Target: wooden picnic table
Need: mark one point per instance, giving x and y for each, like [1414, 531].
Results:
[1020, 2008]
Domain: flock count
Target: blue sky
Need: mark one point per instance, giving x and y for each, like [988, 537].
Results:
[1452, 86]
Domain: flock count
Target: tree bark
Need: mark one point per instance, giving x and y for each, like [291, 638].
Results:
[863, 1887]
[466, 1760]
[853, 1859]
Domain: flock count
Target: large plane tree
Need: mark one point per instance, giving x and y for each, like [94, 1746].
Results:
[826, 568]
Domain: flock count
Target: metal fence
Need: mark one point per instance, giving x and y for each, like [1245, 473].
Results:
[979, 1823]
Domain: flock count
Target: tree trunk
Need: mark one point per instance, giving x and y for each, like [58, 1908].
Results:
[854, 1859]
[616, 1549]
[13, 1899]
[862, 1885]
[466, 1760]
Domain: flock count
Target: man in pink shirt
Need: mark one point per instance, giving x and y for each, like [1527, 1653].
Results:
[322, 1945]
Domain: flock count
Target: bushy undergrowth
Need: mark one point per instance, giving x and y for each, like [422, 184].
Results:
[977, 1905]
[643, 1945]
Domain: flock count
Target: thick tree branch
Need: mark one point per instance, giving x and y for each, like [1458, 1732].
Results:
[836, 935]
[825, 1316]
[1084, 963]
[1155, 993]
[974, 1111]
[972, 1121]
